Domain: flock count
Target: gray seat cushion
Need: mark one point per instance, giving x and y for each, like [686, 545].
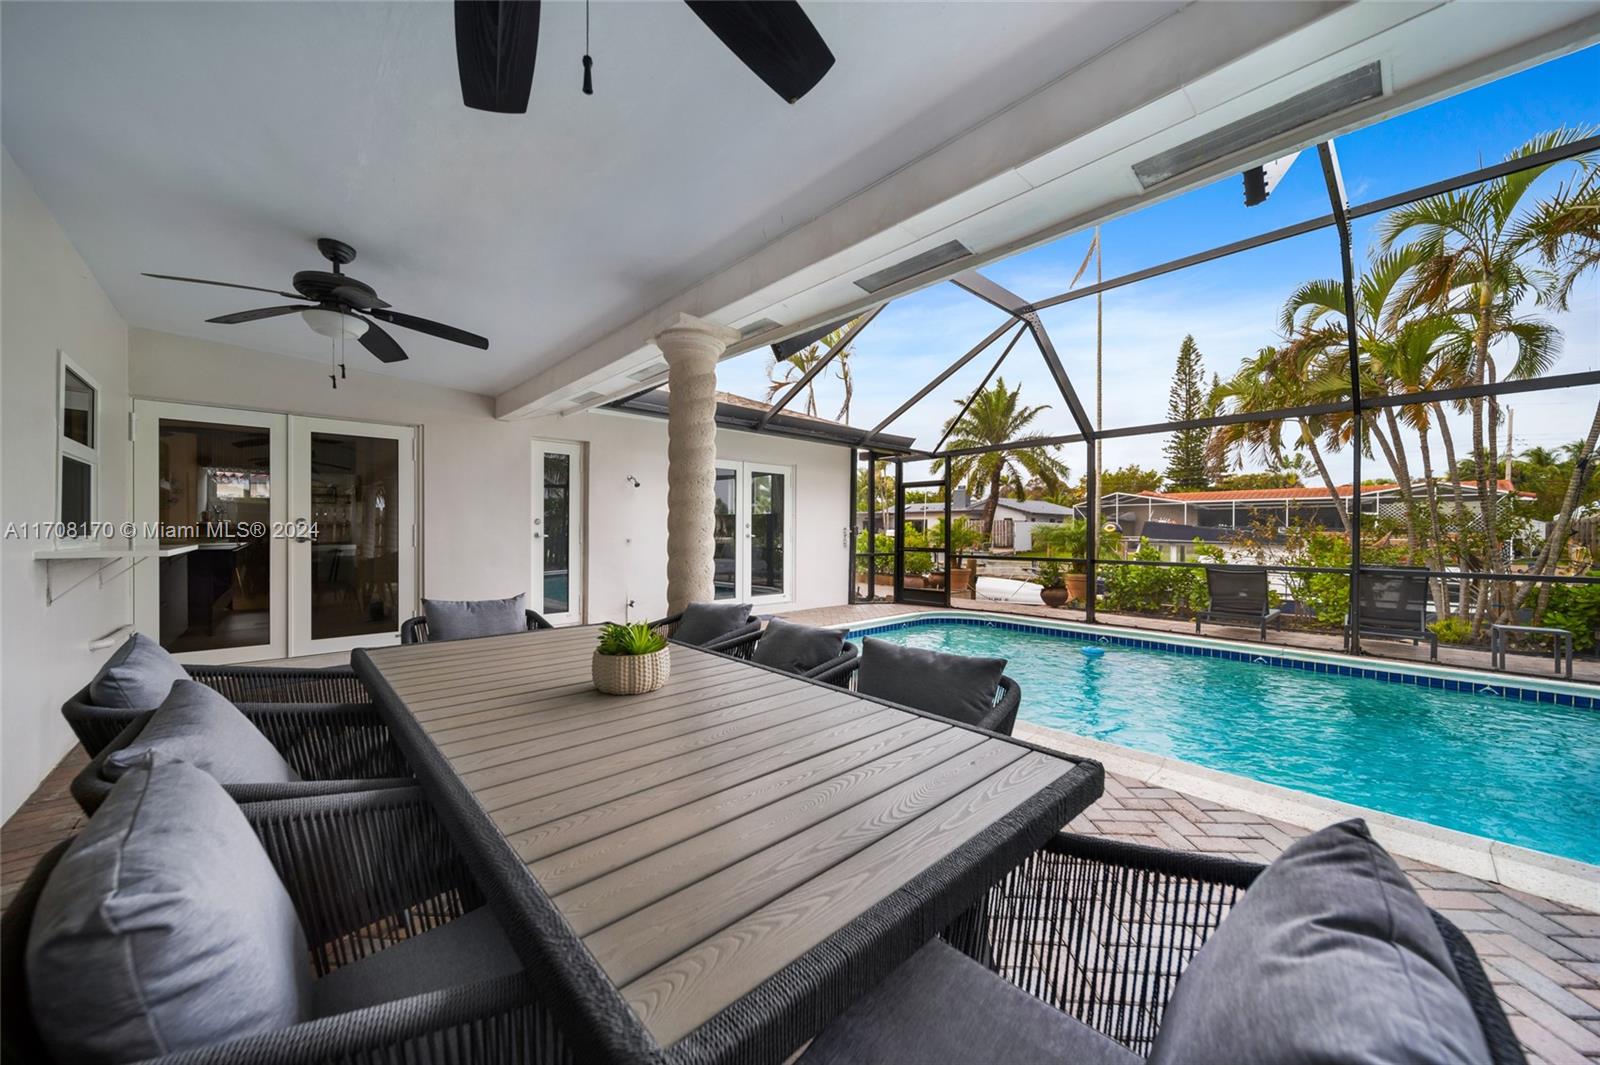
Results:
[471, 947]
[1330, 957]
[959, 687]
[797, 648]
[704, 622]
[466, 619]
[164, 927]
[198, 725]
[137, 676]
[941, 1006]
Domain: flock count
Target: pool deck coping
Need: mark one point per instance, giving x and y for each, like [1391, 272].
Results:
[1564, 880]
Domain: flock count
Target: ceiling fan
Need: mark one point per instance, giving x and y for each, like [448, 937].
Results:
[497, 42]
[339, 307]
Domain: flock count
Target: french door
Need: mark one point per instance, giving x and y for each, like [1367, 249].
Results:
[754, 533]
[277, 535]
[557, 591]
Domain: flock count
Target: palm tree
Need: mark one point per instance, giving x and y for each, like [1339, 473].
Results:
[996, 417]
[1472, 247]
[782, 373]
[1274, 379]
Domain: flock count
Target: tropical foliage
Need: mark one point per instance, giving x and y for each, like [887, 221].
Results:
[997, 416]
[783, 374]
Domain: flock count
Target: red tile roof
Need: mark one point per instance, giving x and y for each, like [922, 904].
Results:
[1256, 495]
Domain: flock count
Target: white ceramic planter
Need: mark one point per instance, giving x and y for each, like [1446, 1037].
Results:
[632, 674]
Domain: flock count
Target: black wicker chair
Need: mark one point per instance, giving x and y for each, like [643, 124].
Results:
[333, 747]
[415, 630]
[1002, 718]
[1394, 606]
[1239, 594]
[1101, 930]
[364, 871]
[740, 643]
[839, 669]
[245, 686]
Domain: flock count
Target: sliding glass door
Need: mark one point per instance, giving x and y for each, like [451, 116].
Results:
[754, 533]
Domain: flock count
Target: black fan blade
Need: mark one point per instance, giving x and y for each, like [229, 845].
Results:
[363, 299]
[774, 38]
[381, 344]
[260, 313]
[496, 44]
[226, 284]
[437, 329]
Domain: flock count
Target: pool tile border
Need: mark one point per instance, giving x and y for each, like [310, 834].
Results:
[1487, 687]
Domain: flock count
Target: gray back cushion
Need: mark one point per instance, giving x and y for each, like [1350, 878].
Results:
[1330, 957]
[164, 927]
[466, 619]
[704, 622]
[137, 676]
[796, 648]
[200, 726]
[959, 687]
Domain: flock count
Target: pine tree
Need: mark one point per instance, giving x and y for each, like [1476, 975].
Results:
[1187, 467]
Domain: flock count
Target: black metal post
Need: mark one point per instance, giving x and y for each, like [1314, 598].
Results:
[899, 529]
[1092, 541]
[1341, 216]
[949, 559]
[872, 527]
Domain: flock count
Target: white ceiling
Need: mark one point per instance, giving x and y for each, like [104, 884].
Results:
[218, 139]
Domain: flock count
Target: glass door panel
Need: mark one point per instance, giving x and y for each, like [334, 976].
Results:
[351, 534]
[207, 495]
[768, 510]
[557, 591]
[355, 556]
[726, 579]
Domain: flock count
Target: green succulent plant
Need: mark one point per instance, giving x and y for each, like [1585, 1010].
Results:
[635, 639]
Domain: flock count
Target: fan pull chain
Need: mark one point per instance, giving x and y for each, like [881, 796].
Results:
[333, 353]
[588, 61]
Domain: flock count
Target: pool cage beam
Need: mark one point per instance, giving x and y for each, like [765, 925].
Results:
[1340, 219]
[1341, 215]
[850, 334]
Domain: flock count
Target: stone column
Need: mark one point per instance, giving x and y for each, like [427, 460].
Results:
[691, 347]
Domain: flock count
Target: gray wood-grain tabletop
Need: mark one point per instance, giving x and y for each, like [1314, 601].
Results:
[701, 837]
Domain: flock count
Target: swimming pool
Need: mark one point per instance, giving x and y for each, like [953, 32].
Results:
[1525, 772]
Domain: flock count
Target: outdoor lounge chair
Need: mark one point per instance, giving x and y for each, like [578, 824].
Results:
[248, 687]
[405, 961]
[736, 639]
[332, 747]
[1239, 594]
[1075, 956]
[415, 630]
[1394, 606]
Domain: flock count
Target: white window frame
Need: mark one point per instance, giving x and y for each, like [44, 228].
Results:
[745, 470]
[71, 449]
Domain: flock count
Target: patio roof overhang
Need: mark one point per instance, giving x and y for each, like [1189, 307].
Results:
[760, 418]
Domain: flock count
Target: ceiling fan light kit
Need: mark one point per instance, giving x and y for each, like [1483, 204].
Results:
[335, 323]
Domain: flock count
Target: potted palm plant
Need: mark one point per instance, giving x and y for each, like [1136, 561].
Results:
[631, 659]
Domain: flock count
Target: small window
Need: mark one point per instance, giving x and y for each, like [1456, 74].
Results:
[78, 448]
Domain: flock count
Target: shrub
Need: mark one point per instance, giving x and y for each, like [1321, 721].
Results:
[1576, 608]
[1452, 630]
[1160, 589]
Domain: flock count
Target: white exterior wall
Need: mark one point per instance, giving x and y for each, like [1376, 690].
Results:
[476, 499]
[51, 302]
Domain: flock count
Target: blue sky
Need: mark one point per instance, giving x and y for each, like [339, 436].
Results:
[1230, 306]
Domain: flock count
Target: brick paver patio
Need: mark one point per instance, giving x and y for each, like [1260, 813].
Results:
[1544, 957]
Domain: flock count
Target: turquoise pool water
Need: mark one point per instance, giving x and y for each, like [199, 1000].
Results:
[1523, 772]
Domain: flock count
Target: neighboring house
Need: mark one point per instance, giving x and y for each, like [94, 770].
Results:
[1013, 518]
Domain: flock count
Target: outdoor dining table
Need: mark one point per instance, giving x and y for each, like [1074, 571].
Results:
[712, 871]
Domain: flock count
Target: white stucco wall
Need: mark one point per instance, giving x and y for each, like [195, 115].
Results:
[51, 303]
[476, 505]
